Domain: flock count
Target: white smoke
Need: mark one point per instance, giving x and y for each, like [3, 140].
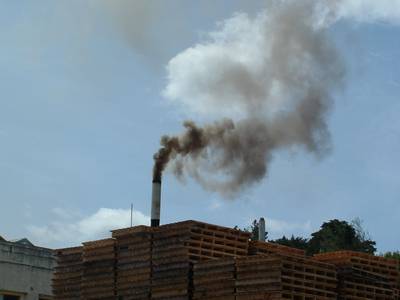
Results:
[141, 23]
[272, 75]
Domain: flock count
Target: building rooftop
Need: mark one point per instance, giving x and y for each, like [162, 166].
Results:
[23, 241]
[23, 244]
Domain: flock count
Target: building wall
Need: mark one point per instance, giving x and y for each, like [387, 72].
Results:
[25, 270]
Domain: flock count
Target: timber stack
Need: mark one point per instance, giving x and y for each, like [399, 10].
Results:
[176, 247]
[171, 265]
[98, 276]
[214, 279]
[133, 265]
[193, 260]
[67, 277]
[364, 276]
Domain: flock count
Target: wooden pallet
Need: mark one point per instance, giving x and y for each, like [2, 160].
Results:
[202, 241]
[258, 277]
[287, 277]
[125, 232]
[214, 279]
[258, 247]
[367, 262]
[351, 287]
[171, 268]
[176, 246]
[98, 278]
[303, 277]
[260, 296]
[374, 265]
[143, 263]
[265, 277]
[133, 268]
[209, 241]
[68, 274]
[355, 283]
[371, 277]
[171, 280]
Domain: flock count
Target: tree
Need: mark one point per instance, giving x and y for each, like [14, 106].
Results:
[294, 242]
[357, 224]
[253, 229]
[393, 255]
[340, 235]
[333, 235]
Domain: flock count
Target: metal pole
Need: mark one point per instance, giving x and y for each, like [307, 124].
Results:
[131, 214]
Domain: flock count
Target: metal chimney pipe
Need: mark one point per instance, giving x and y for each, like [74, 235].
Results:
[155, 203]
[261, 230]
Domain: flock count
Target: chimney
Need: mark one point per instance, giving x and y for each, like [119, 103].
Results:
[156, 203]
[261, 230]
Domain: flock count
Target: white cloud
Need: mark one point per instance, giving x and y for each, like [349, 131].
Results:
[370, 10]
[215, 205]
[277, 228]
[69, 232]
[64, 214]
[280, 226]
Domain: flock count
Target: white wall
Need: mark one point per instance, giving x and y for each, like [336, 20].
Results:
[26, 270]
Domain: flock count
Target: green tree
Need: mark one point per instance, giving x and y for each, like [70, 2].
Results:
[294, 242]
[340, 235]
[333, 235]
[361, 233]
[394, 255]
[253, 229]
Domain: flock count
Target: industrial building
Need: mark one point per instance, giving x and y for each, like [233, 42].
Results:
[25, 270]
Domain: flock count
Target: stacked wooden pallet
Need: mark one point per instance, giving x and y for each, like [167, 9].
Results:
[374, 265]
[214, 279]
[306, 278]
[171, 267]
[257, 247]
[364, 276]
[287, 277]
[68, 274]
[300, 276]
[355, 284]
[177, 246]
[98, 279]
[258, 277]
[264, 277]
[133, 268]
[194, 260]
[209, 241]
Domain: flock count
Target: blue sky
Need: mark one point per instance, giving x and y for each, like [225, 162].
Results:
[82, 112]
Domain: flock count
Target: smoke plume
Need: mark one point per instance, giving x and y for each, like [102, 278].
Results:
[269, 80]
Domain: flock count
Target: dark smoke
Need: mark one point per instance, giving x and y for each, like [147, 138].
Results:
[269, 80]
[240, 151]
[190, 143]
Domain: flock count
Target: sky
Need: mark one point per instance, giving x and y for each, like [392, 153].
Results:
[83, 106]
